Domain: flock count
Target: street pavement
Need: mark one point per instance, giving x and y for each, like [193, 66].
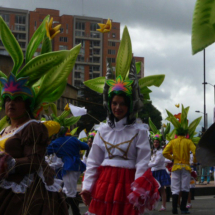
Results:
[202, 205]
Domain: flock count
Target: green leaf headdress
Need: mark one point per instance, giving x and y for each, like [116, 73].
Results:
[182, 126]
[42, 79]
[125, 80]
[203, 27]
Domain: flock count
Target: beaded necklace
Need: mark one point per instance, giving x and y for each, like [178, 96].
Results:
[11, 131]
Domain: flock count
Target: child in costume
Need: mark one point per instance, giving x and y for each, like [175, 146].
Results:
[118, 180]
[27, 184]
[157, 164]
[178, 150]
[68, 149]
[90, 139]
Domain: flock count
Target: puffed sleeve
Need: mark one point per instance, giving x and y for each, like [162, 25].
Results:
[143, 153]
[95, 158]
[158, 159]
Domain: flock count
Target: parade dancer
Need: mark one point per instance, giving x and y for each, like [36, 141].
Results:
[90, 139]
[157, 164]
[178, 150]
[27, 184]
[118, 180]
[68, 149]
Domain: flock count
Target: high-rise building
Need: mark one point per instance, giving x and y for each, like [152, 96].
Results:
[96, 48]
[18, 22]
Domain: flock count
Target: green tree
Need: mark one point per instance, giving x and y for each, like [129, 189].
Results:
[149, 110]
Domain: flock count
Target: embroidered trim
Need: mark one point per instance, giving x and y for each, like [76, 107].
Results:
[110, 155]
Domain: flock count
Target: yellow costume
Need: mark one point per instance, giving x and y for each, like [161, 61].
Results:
[179, 150]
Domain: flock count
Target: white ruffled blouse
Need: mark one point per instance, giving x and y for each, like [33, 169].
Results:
[125, 146]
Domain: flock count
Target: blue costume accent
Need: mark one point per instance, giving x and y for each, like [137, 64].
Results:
[68, 149]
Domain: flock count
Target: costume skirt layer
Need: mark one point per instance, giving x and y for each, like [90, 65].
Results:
[162, 177]
[35, 201]
[111, 191]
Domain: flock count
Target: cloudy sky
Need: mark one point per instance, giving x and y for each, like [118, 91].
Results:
[160, 31]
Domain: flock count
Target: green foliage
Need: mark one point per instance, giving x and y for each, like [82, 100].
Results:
[124, 55]
[36, 40]
[3, 123]
[96, 84]
[153, 127]
[11, 45]
[203, 27]
[74, 131]
[46, 45]
[138, 67]
[173, 120]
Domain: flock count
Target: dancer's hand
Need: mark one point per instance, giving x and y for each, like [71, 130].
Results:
[86, 196]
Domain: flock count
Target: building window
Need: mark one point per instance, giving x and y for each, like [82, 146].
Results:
[111, 43]
[94, 69]
[63, 39]
[20, 19]
[93, 26]
[113, 35]
[6, 17]
[20, 36]
[61, 30]
[80, 33]
[80, 25]
[96, 75]
[111, 51]
[62, 47]
[78, 83]
[80, 58]
[94, 43]
[79, 75]
[19, 27]
[67, 28]
[22, 44]
[79, 67]
[95, 35]
[111, 60]
[77, 41]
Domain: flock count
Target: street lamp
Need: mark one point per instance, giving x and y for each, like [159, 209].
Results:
[206, 120]
[214, 89]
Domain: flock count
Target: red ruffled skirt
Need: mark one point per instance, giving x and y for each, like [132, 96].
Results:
[113, 192]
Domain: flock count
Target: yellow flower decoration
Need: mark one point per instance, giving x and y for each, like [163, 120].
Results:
[164, 125]
[177, 105]
[52, 32]
[52, 127]
[105, 27]
[67, 107]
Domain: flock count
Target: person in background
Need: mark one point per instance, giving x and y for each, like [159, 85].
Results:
[68, 149]
[157, 164]
[90, 138]
[178, 150]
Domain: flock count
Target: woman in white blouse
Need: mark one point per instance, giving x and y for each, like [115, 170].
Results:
[157, 164]
[118, 180]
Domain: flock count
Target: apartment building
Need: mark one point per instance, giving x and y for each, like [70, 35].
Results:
[96, 48]
[18, 22]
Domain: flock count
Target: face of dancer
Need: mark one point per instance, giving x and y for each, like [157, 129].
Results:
[156, 144]
[90, 142]
[15, 108]
[119, 107]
